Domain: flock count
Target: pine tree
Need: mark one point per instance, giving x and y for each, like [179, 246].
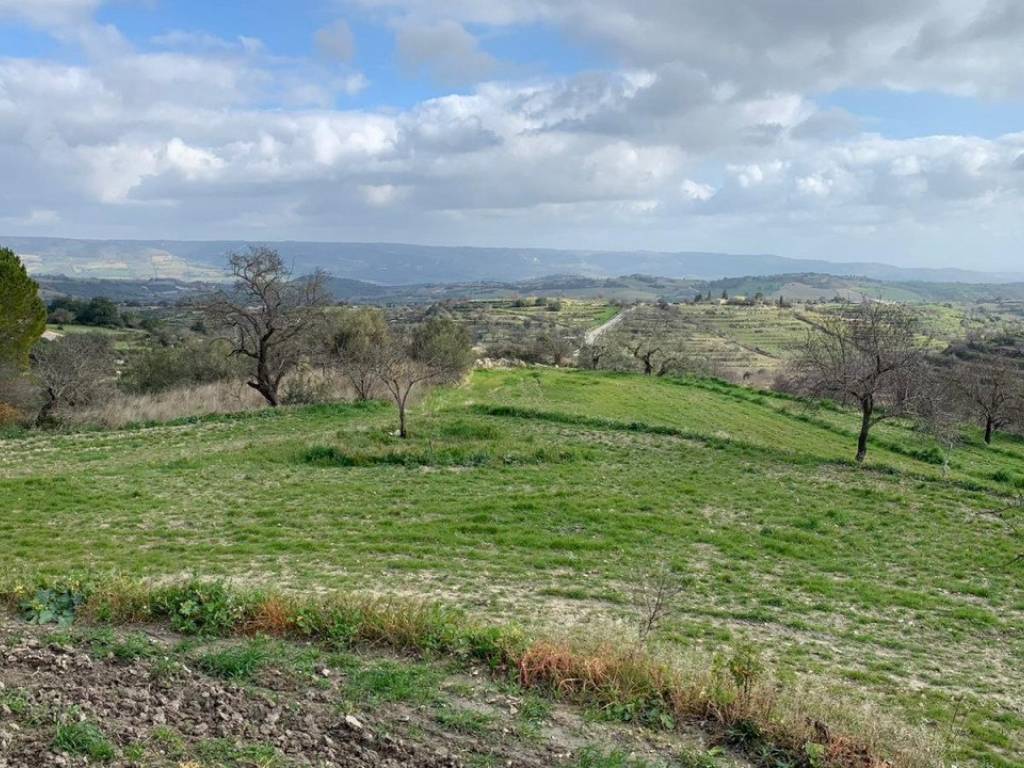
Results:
[22, 312]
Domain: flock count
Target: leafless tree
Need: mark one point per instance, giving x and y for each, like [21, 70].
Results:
[868, 355]
[269, 316]
[655, 591]
[74, 371]
[438, 351]
[992, 391]
[645, 351]
[355, 344]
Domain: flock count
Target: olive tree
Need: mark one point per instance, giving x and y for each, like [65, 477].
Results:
[868, 355]
[438, 351]
[354, 345]
[270, 317]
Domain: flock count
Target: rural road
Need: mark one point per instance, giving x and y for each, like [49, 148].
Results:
[595, 333]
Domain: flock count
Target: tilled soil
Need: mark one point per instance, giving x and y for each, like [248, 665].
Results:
[156, 713]
[130, 704]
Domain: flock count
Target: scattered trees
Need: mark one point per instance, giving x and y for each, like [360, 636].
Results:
[868, 355]
[269, 316]
[22, 312]
[437, 351]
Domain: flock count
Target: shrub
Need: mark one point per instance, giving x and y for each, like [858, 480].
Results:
[199, 608]
[193, 363]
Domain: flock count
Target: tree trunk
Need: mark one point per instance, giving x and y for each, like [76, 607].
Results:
[401, 420]
[867, 407]
[989, 429]
[45, 413]
[268, 390]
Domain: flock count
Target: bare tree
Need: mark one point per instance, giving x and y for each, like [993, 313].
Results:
[74, 371]
[868, 355]
[355, 345]
[269, 316]
[656, 591]
[644, 351]
[992, 390]
[438, 351]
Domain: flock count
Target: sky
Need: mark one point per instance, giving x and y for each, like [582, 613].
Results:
[877, 130]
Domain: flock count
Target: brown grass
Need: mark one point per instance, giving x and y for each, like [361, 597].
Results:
[123, 409]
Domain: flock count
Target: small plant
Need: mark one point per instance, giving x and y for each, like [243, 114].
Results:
[106, 644]
[592, 757]
[238, 662]
[745, 666]
[85, 739]
[464, 720]
[54, 605]
[15, 701]
[199, 608]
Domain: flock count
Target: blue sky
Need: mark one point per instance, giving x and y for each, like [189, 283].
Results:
[884, 130]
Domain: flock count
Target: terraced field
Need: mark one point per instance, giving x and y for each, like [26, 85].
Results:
[501, 324]
[536, 495]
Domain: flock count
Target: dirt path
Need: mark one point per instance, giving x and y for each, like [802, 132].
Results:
[596, 333]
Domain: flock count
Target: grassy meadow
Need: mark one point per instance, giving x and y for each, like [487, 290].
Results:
[538, 494]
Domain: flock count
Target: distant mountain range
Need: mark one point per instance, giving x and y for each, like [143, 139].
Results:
[629, 288]
[392, 264]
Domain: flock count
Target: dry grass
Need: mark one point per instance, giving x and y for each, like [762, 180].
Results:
[727, 696]
[122, 409]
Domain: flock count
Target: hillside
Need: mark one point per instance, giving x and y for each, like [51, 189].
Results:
[404, 264]
[894, 583]
[626, 288]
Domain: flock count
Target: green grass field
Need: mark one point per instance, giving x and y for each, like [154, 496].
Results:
[537, 494]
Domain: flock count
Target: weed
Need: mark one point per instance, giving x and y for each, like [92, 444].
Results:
[236, 662]
[55, 605]
[85, 739]
[464, 720]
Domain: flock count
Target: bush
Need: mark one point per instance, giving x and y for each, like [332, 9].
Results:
[199, 608]
[193, 363]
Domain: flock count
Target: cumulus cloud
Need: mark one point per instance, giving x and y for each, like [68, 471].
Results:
[706, 135]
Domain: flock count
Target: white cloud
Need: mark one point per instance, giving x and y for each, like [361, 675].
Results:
[705, 137]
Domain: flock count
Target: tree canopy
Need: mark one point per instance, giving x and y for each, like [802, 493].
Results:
[22, 312]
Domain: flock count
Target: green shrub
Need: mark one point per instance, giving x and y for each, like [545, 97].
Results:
[198, 608]
[53, 605]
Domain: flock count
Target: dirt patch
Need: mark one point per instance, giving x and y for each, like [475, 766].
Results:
[162, 707]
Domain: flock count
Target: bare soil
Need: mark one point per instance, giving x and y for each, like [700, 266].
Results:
[161, 711]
